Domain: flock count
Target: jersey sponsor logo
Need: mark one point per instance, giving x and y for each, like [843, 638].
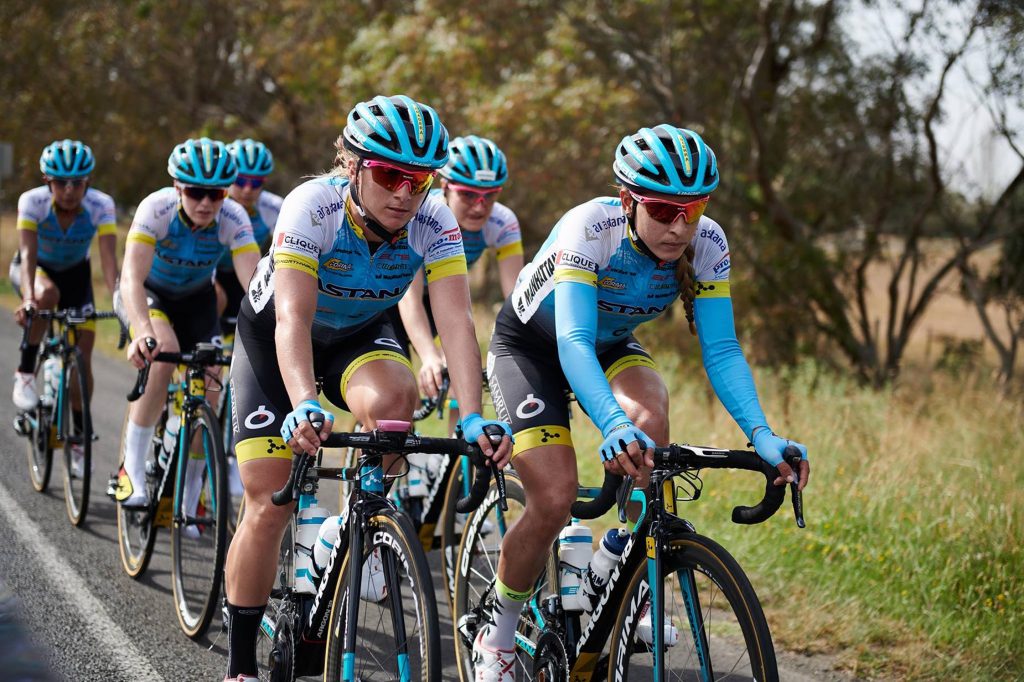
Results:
[332, 289]
[324, 211]
[722, 265]
[259, 418]
[714, 237]
[567, 258]
[430, 222]
[527, 300]
[602, 225]
[589, 234]
[530, 407]
[609, 283]
[298, 243]
[337, 265]
[627, 309]
[189, 262]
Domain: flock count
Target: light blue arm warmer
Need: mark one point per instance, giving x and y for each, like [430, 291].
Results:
[725, 365]
[576, 328]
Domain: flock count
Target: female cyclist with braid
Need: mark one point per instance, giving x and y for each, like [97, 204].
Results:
[609, 265]
[346, 247]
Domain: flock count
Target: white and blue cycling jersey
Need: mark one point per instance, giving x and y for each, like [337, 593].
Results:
[263, 218]
[185, 258]
[317, 235]
[500, 232]
[61, 249]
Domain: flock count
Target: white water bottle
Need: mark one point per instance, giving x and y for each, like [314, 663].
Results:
[307, 530]
[51, 380]
[325, 541]
[595, 581]
[575, 549]
[171, 427]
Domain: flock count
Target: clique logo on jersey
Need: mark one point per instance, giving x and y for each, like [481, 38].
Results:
[568, 258]
[291, 241]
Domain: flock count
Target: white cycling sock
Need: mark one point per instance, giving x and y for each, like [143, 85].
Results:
[138, 441]
[507, 605]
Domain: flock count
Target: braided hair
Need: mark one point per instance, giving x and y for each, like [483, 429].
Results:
[687, 279]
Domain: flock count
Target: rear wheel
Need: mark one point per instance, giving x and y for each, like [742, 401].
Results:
[137, 528]
[451, 529]
[714, 628]
[77, 440]
[40, 446]
[397, 630]
[200, 525]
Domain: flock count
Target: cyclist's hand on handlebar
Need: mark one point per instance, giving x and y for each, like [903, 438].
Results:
[431, 375]
[626, 449]
[299, 433]
[140, 352]
[770, 447]
[473, 431]
[22, 312]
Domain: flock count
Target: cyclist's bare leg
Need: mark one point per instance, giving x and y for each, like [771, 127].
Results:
[381, 389]
[643, 396]
[146, 410]
[47, 296]
[85, 340]
[550, 482]
[251, 566]
[222, 298]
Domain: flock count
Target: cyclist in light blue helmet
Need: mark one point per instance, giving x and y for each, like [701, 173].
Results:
[609, 265]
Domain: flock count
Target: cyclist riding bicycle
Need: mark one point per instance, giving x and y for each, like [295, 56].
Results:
[166, 296]
[346, 247]
[470, 184]
[609, 265]
[56, 226]
[255, 163]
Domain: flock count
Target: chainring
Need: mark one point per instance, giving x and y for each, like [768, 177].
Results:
[550, 661]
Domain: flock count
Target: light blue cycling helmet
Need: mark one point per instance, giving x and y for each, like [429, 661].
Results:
[203, 162]
[397, 129]
[668, 160]
[252, 157]
[475, 161]
[66, 159]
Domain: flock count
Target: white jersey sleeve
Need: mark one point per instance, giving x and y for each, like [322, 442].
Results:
[587, 238]
[235, 229]
[711, 261]
[502, 233]
[434, 234]
[154, 216]
[303, 230]
[33, 207]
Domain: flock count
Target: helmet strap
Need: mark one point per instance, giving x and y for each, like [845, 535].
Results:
[635, 237]
[374, 226]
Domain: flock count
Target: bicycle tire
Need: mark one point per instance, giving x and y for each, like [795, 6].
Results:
[476, 570]
[136, 528]
[39, 447]
[715, 573]
[450, 537]
[76, 487]
[199, 540]
[390, 532]
[279, 666]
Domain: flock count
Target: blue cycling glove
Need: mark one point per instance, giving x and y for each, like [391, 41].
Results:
[473, 427]
[770, 447]
[301, 414]
[619, 438]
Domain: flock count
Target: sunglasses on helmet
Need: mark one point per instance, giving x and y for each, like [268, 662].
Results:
[253, 181]
[475, 194]
[667, 211]
[392, 178]
[200, 193]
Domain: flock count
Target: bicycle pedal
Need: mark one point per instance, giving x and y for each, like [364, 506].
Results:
[468, 625]
[22, 427]
[163, 513]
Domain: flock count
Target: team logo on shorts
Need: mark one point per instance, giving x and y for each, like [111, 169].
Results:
[260, 418]
[385, 341]
[530, 407]
[635, 346]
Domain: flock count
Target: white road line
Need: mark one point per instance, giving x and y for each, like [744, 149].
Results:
[54, 567]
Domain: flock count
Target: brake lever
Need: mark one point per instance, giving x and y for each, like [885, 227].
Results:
[796, 495]
[622, 497]
[495, 434]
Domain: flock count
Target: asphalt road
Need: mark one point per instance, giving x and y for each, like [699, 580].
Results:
[85, 618]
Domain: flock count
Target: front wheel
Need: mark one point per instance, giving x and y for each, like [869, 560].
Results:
[397, 631]
[137, 528]
[713, 628]
[200, 526]
[77, 430]
[40, 446]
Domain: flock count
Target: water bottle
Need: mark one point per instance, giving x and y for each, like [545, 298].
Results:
[325, 541]
[418, 483]
[307, 530]
[605, 558]
[575, 549]
[171, 427]
[51, 380]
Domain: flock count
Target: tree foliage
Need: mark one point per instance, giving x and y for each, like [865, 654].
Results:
[830, 143]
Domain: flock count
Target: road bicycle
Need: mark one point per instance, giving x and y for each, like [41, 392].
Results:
[186, 484]
[64, 395]
[676, 605]
[389, 631]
